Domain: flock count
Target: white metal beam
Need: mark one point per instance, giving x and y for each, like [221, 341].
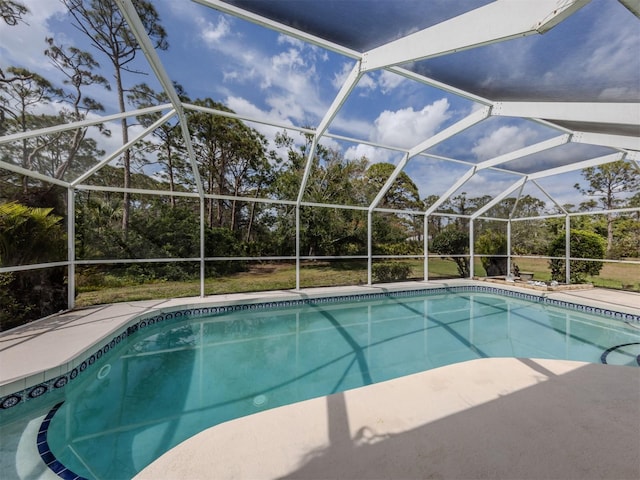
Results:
[633, 6]
[71, 248]
[452, 189]
[81, 124]
[498, 198]
[439, 85]
[553, 200]
[33, 174]
[347, 87]
[439, 137]
[617, 113]
[515, 204]
[593, 162]
[523, 152]
[263, 121]
[135, 24]
[238, 12]
[607, 140]
[495, 22]
[460, 126]
[123, 148]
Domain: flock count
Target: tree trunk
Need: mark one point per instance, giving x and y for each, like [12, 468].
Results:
[126, 157]
[609, 233]
[172, 199]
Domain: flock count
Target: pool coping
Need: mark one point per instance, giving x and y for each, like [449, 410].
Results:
[45, 355]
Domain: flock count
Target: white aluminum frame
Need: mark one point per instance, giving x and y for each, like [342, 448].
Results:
[501, 20]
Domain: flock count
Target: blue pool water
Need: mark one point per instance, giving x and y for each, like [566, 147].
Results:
[163, 384]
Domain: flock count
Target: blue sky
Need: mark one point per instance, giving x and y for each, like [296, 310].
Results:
[264, 74]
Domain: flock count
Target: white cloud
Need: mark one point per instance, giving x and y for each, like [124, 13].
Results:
[287, 40]
[373, 154]
[214, 33]
[383, 81]
[503, 140]
[367, 84]
[433, 177]
[357, 128]
[408, 127]
[341, 75]
[244, 107]
[288, 60]
[612, 56]
[24, 43]
[389, 81]
[286, 78]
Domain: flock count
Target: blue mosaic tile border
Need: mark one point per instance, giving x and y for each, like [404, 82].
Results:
[46, 455]
[143, 321]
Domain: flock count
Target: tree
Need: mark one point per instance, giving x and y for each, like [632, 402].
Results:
[334, 179]
[607, 182]
[583, 244]
[403, 193]
[77, 67]
[232, 159]
[53, 154]
[390, 229]
[461, 205]
[102, 22]
[19, 99]
[12, 11]
[453, 243]
[527, 236]
[171, 148]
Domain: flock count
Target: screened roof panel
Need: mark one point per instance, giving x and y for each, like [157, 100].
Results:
[607, 128]
[590, 56]
[556, 157]
[493, 137]
[359, 25]
[478, 190]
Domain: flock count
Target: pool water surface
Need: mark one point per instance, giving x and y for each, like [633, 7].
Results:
[164, 384]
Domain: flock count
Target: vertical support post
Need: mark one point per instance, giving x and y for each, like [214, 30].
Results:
[369, 247]
[567, 240]
[202, 246]
[471, 252]
[71, 248]
[509, 247]
[297, 247]
[426, 248]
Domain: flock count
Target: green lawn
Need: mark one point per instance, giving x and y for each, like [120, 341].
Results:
[612, 275]
[315, 274]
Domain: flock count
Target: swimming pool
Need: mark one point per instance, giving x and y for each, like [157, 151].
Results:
[162, 381]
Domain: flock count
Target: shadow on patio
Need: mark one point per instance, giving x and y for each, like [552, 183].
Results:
[488, 418]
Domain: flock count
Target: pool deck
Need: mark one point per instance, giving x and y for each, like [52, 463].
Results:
[489, 418]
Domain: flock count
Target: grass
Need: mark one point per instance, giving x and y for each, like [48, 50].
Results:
[622, 276]
[275, 276]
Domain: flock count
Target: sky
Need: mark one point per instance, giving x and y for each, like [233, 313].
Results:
[267, 75]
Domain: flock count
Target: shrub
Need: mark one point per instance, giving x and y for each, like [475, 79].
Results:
[390, 271]
[28, 236]
[583, 244]
[493, 243]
